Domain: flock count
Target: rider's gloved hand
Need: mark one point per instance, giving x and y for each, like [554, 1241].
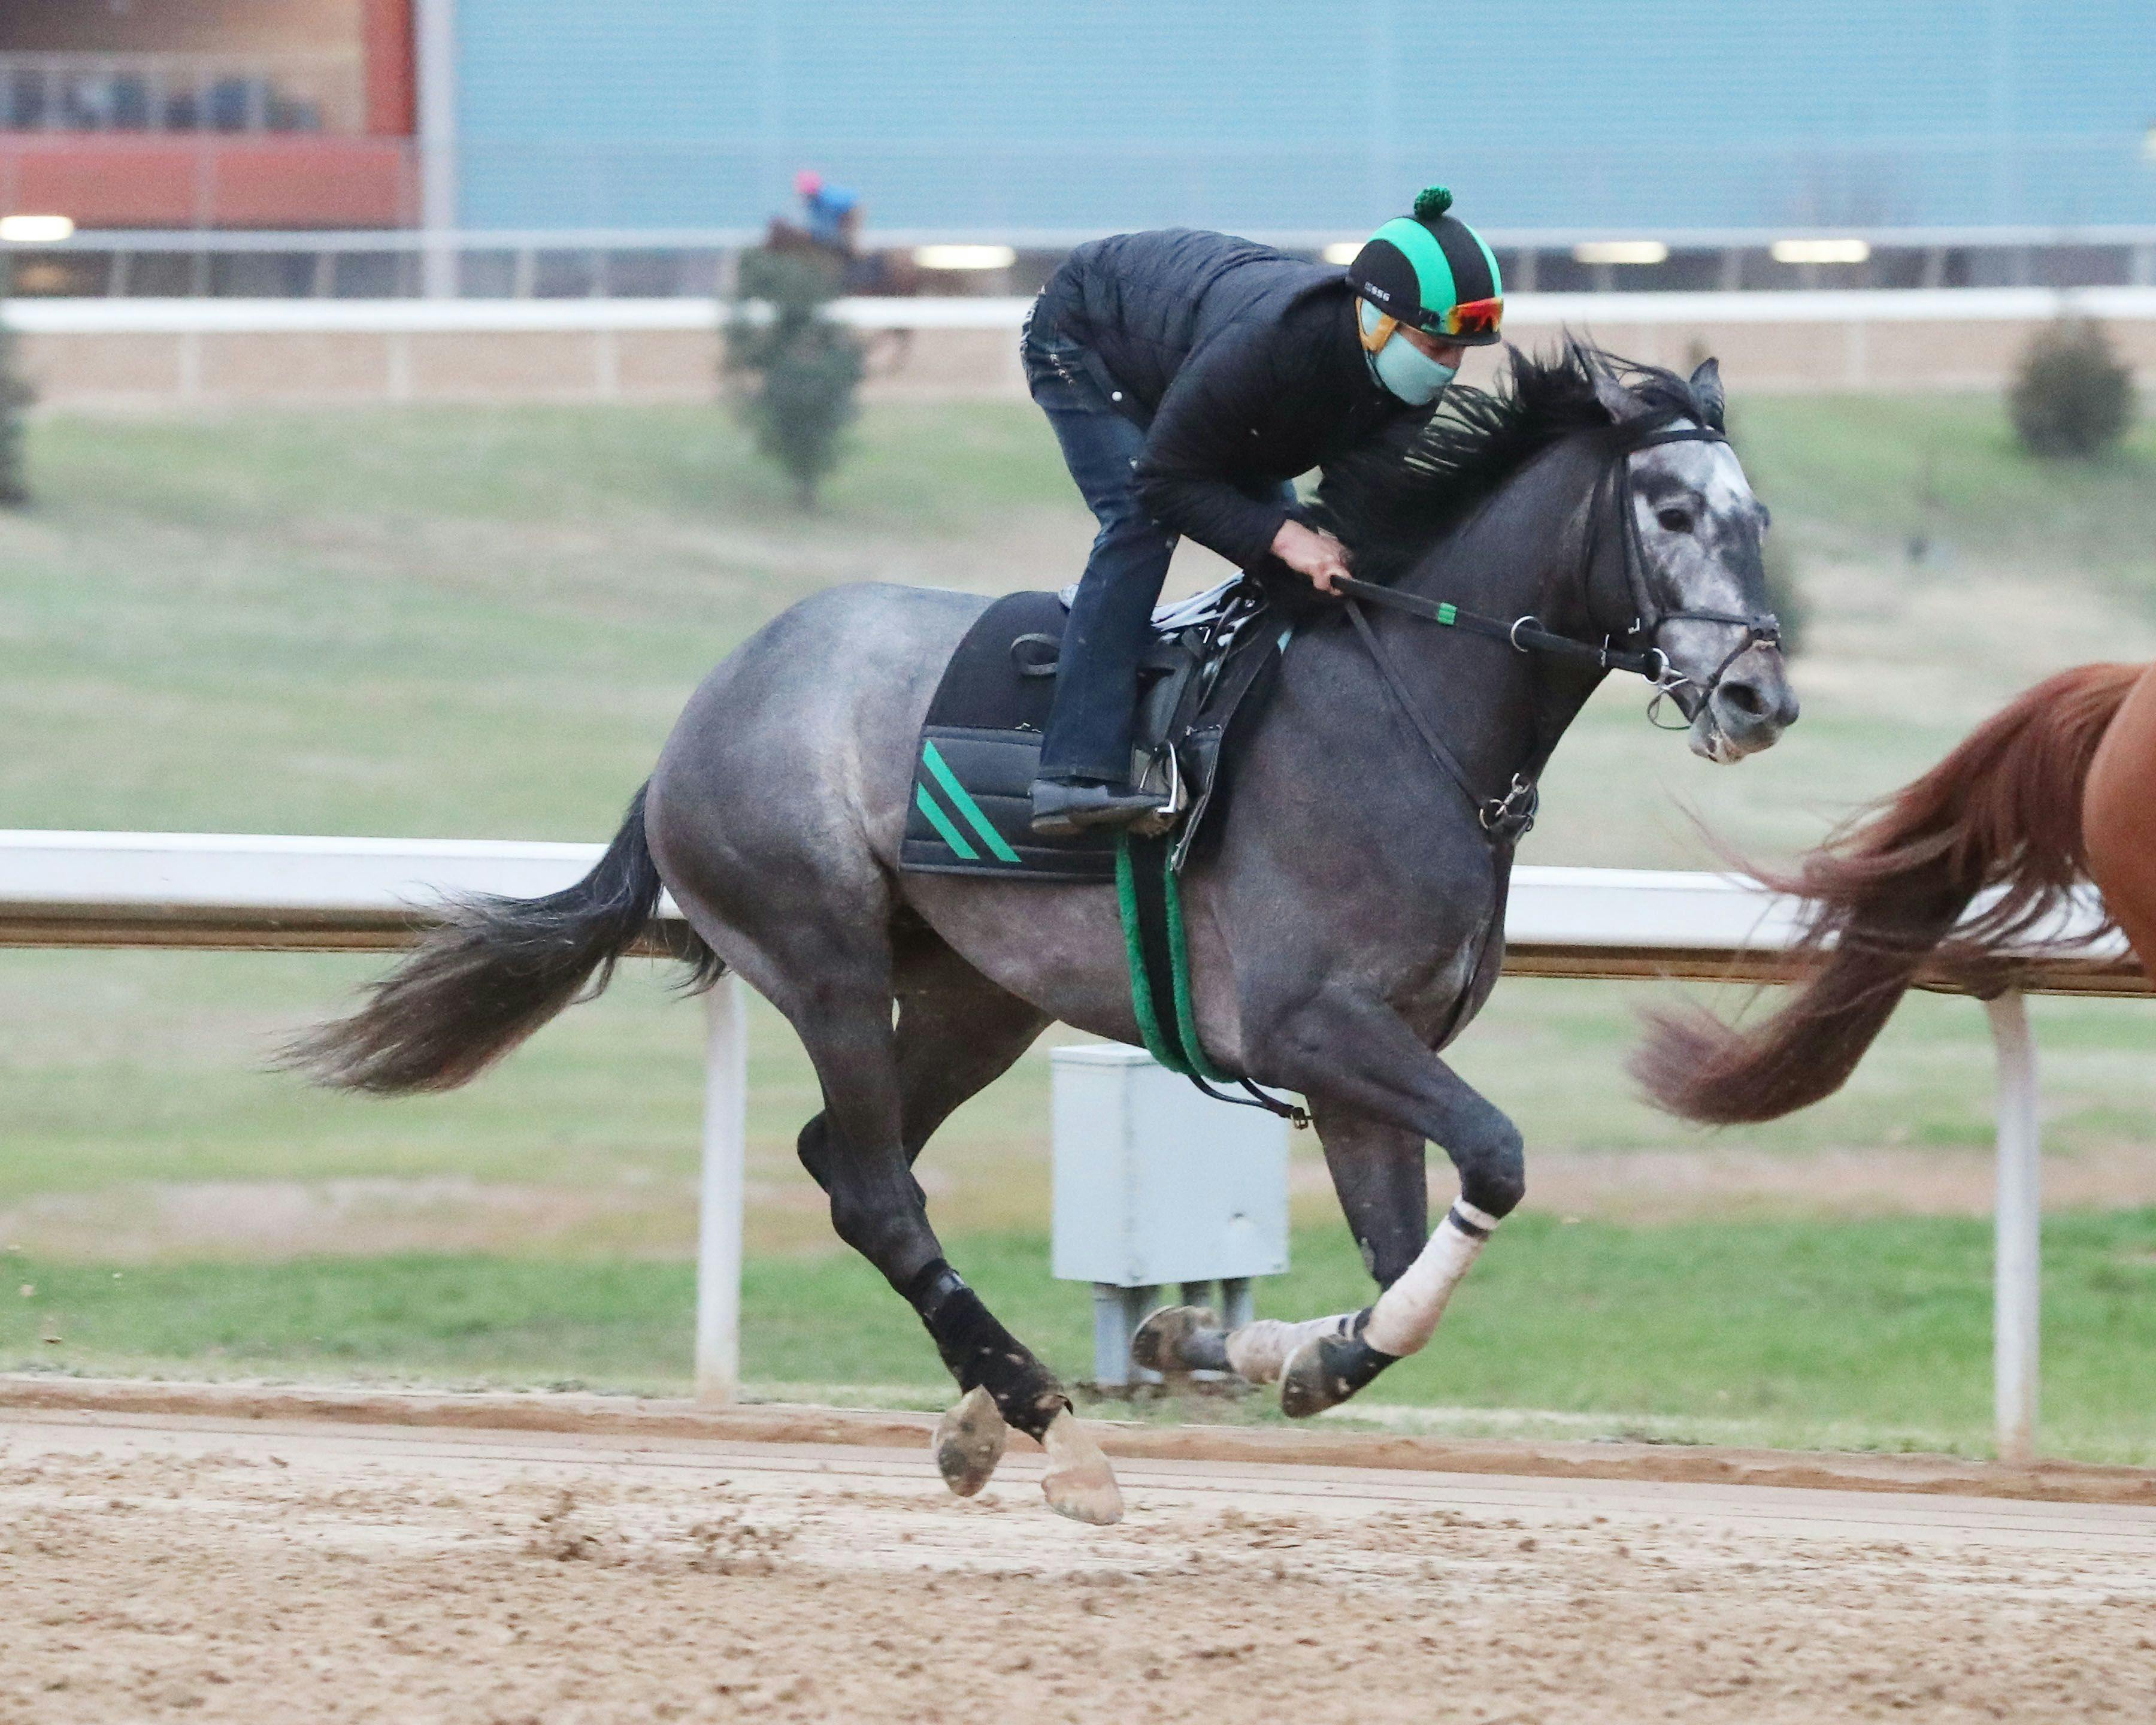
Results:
[1313, 552]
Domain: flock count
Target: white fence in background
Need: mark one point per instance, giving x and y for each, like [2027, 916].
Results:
[220, 891]
[524, 264]
[1539, 311]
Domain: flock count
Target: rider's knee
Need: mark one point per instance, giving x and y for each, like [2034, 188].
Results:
[1136, 537]
[1493, 1173]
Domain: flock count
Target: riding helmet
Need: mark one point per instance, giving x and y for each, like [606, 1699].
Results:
[1432, 271]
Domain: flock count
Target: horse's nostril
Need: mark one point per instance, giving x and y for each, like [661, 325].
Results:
[1746, 698]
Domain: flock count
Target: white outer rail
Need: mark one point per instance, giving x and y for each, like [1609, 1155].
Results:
[218, 890]
[1050, 239]
[215, 316]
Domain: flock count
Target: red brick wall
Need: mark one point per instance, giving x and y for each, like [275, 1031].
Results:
[196, 180]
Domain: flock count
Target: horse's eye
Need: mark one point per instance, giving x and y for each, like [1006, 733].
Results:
[1674, 521]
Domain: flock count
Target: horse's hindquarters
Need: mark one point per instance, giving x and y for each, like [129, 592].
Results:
[2118, 819]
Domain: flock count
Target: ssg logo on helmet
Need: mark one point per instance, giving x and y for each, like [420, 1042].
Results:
[1432, 271]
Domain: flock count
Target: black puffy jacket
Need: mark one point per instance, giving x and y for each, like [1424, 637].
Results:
[1243, 365]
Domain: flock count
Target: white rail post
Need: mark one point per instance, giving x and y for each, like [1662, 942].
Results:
[2017, 1264]
[434, 45]
[719, 1225]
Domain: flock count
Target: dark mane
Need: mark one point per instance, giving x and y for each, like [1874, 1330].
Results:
[1388, 510]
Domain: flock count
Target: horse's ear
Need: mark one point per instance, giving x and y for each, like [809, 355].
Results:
[1707, 385]
[1622, 406]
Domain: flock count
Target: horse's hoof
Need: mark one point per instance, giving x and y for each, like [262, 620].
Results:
[1079, 1482]
[969, 1442]
[1177, 1340]
[1326, 1370]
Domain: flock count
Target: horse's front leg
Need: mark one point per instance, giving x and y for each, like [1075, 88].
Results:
[1377, 1094]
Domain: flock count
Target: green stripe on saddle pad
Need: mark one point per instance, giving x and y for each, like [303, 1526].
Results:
[964, 804]
[1153, 996]
[942, 822]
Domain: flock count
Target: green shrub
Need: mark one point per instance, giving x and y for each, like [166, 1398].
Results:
[2072, 398]
[16, 395]
[799, 371]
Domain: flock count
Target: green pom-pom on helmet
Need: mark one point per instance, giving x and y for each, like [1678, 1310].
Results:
[1431, 271]
[1432, 202]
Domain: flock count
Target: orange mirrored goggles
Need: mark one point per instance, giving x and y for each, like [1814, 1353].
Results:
[1473, 317]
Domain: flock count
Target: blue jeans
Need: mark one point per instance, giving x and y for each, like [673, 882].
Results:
[1096, 680]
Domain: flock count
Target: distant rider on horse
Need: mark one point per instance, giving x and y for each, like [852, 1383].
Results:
[1189, 378]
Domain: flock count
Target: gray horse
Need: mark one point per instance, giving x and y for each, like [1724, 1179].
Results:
[1346, 924]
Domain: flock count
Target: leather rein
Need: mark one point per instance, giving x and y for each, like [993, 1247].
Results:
[1507, 817]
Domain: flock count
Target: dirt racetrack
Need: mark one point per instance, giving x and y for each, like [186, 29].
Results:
[161, 1566]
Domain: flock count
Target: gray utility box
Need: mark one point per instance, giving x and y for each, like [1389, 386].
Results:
[1157, 1184]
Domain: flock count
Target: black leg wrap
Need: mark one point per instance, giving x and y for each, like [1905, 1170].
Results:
[1206, 1350]
[980, 1352]
[1472, 1230]
[1324, 1373]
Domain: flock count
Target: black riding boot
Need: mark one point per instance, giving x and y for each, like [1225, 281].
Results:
[1062, 807]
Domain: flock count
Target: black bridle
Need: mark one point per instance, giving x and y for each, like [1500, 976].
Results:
[1649, 618]
[1636, 649]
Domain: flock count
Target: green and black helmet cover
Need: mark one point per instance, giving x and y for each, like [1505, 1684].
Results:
[1432, 271]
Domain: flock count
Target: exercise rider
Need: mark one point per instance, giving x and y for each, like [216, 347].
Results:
[1190, 377]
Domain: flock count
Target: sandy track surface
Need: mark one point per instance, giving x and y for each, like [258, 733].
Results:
[158, 1566]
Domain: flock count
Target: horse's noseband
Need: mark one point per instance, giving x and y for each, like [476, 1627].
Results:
[1650, 618]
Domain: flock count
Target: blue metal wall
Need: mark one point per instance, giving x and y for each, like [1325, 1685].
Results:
[1270, 114]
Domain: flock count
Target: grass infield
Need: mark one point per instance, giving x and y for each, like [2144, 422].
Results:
[1872, 1334]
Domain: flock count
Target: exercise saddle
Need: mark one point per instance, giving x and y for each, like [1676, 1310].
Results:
[980, 746]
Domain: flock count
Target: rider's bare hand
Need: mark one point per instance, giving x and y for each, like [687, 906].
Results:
[1311, 552]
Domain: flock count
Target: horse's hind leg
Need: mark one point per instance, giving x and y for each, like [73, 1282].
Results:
[958, 1032]
[780, 890]
[885, 1089]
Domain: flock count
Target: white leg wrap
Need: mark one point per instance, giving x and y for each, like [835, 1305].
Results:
[1258, 1352]
[1405, 1316]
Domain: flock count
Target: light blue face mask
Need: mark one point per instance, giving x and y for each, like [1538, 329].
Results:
[1402, 368]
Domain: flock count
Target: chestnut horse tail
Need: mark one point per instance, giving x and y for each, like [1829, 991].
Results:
[1885, 891]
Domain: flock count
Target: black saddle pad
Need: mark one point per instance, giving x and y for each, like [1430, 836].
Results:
[980, 753]
[980, 746]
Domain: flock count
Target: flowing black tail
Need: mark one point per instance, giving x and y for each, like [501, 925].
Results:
[495, 970]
